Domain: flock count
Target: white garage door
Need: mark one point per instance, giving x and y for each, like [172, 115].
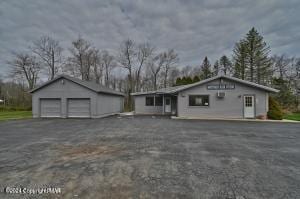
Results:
[50, 107]
[79, 108]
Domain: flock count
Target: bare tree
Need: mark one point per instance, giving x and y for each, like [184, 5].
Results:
[171, 58]
[280, 65]
[25, 66]
[108, 63]
[144, 53]
[97, 65]
[188, 71]
[155, 67]
[174, 74]
[286, 68]
[50, 53]
[81, 58]
[126, 58]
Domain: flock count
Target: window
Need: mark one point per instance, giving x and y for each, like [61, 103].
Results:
[168, 101]
[149, 101]
[248, 101]
[158, 101]
[198, 100]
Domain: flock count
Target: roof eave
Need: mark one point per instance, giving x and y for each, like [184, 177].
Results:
[46, 83]
[274, 90]
[70, 79]
[153, 92]
[265, 88]
[119, 94]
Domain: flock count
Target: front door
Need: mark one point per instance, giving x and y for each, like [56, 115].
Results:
[249, 106]
[167, 104]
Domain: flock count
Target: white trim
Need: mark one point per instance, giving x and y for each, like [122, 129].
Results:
[253, 107]
[170, 105]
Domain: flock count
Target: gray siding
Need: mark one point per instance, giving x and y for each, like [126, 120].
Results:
[141, 108]
[109, 104]
[72, 90]
[229, 107]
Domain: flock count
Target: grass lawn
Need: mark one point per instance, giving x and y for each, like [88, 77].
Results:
[292, 116]
[10, 115]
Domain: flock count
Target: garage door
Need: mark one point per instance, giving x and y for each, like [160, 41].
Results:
[50, 107]
[79, 108]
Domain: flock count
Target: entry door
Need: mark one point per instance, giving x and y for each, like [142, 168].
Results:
[249, 106]
[167, 104]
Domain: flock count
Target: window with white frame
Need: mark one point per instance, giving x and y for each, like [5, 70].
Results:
[199, 100]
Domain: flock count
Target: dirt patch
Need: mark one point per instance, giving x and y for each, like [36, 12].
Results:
[70, 152]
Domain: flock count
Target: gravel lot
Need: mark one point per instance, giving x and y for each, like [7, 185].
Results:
[151, 157]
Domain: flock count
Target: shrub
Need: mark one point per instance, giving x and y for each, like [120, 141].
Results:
[275, 111]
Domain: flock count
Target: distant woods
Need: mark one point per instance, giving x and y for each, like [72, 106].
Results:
[135, 67]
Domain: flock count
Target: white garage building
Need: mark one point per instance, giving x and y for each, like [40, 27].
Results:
[67, 97]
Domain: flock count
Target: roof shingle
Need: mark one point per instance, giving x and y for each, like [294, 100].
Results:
[90, 85]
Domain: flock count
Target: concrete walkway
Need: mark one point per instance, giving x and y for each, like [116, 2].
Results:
[235, 119]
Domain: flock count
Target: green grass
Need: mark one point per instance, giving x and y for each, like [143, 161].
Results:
[12, 115]
[292, 116]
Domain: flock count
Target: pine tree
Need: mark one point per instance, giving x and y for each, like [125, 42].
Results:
[205, 69]
[183, 81]
[196, 79]
[225, 65]
[285, 97]
[258, 60]
[251, 57]
[189, 80]
[178, 81]
[239, 58]
[216, 68]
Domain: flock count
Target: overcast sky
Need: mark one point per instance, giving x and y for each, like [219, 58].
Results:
[194, 28]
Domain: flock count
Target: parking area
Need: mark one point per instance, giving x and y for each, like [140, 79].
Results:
[151, 157]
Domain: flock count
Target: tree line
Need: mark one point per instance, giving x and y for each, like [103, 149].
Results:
[138, 67]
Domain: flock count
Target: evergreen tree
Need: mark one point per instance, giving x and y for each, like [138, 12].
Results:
[251, 57]
[285, 96]
[196, 79]
[183, 81]
[178, 81]
[225, 65]
[216, 68]
[258, 60]
[189, 80]
[239, 58]
[205, 69]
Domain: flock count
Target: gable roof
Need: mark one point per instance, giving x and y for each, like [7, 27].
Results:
[90, 85]
[175, 89]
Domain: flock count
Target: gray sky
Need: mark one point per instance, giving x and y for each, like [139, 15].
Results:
[194, 28]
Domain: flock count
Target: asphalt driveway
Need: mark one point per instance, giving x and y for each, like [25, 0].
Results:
[145, 157]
